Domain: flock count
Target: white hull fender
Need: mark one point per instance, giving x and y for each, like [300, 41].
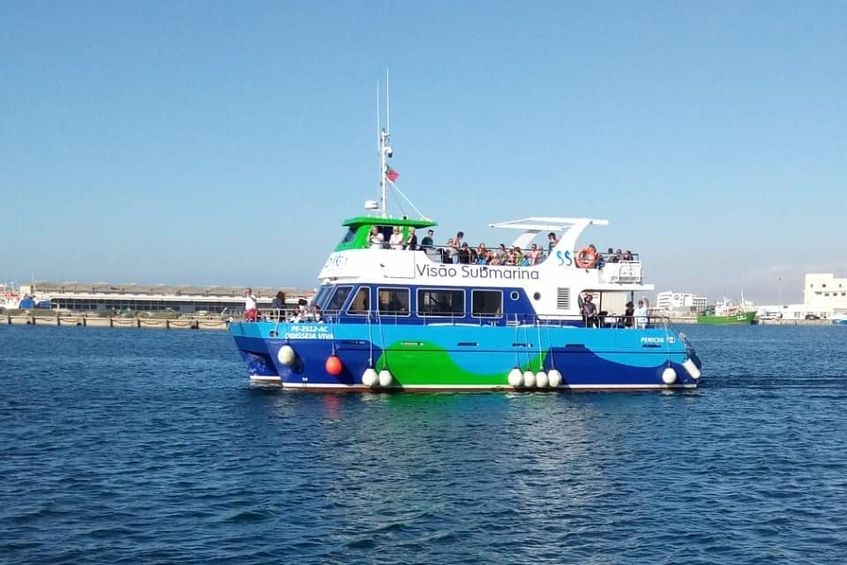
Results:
[692, 369]
[385, 378]
[669, 376]
[369, 378]
[515, 378]
[286, 355]
[554, 378]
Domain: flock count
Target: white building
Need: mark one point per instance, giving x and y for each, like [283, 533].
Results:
[824, 294]
[670, 301]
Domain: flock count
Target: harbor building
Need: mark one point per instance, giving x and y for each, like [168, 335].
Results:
[160, 298]
[824, 294]
[680, 302]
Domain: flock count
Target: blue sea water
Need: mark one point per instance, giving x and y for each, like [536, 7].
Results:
[128, 446]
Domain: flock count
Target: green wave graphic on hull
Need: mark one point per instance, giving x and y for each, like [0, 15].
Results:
[424, 363]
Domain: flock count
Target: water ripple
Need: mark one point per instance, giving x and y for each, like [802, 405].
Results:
[127, 446]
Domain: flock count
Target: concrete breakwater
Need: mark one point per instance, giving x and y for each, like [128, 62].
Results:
[79, 320]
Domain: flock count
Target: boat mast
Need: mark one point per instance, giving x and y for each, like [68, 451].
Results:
[385, 151]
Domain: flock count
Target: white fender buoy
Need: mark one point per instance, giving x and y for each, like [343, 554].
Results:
[369, 377]
[554, 378]
[529, 379]
[692, 369]
[385, 378]
[669, 376]
[286, 355]
[541, 379]
[515, 378]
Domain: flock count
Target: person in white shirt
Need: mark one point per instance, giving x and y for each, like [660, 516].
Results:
[251, 306]
[396, 239]
[641, 314]
[376, 239]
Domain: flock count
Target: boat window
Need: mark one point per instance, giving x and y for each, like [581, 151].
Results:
[394, 301]
[349, 236]
[433, 302]
[487, 303]
[322, 296]
[361, 301]
[337, 301]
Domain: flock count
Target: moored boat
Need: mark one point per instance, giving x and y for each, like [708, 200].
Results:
[389, 318]
[727, 312]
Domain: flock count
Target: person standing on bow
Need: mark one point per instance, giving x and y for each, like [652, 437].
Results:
[251, 306]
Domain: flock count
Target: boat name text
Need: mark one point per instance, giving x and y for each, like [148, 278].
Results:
[481, 272]
[309, 331]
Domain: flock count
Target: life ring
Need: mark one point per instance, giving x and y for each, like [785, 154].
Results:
[586, 258]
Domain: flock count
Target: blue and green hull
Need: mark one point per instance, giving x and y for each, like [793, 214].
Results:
[456, 357]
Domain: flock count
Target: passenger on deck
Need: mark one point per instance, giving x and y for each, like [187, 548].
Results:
[618, 256]
[629, 315]
[611, 257]
[251, 306]
[535, 254]
[589, 312]
[278, 305]
[375, 238]
[451, 251]
[482, 254]
[396, 239]
[412, 240]
[599, 263]
[300, 313]
[466, 254]
[641, 314]
[552, 240]
[627, 256]
[501, 254]
[427, 242]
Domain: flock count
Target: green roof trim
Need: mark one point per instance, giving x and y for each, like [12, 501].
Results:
[360, 227]
[380, 221]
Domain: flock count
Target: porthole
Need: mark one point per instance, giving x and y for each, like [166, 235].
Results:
[537, 296]
[514, 295]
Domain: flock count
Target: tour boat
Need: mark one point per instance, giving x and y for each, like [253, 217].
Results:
[389, 320]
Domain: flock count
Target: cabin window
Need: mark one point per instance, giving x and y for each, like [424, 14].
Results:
[487, 303]
[563, 298]
[393, 301]
[361, 303]
[349, 236]
[338, 299]
[322, 296]
[441, 302]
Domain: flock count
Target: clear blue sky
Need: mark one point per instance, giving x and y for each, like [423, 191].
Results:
[224, 142]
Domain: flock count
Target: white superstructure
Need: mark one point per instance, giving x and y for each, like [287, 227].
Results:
[824, 293]
[673, 301]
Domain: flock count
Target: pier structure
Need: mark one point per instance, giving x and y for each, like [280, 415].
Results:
[161, 300]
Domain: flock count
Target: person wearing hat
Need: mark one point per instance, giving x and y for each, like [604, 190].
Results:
[427, 242]
[589, 312]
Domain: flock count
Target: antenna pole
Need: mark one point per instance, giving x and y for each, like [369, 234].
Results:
[387, 105]
[379, 149]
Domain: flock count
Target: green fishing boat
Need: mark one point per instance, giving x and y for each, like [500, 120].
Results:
[726, 312]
